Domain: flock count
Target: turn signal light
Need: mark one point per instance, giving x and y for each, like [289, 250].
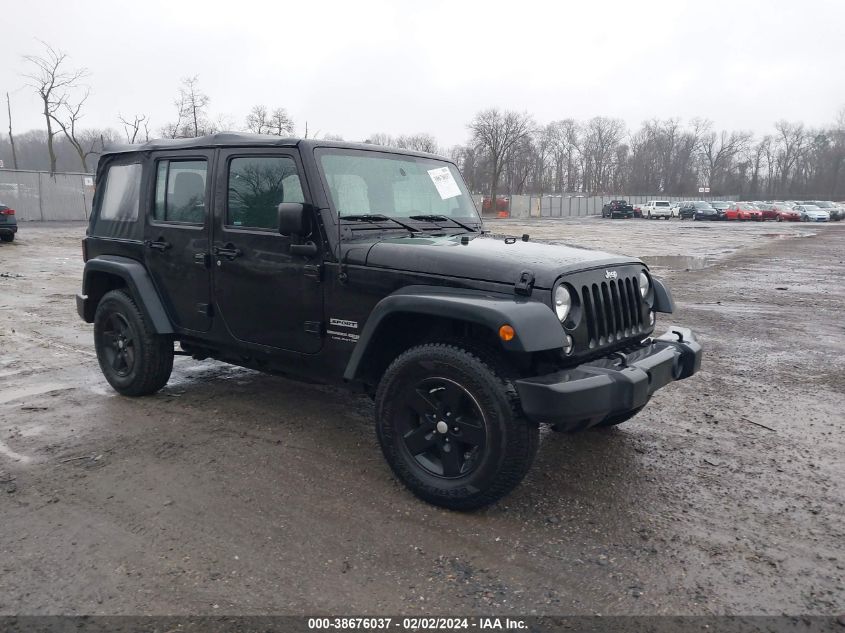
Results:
[506, 333]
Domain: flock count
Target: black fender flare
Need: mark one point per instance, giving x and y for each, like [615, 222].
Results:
[536, 326]
[663, 301]
[138, 281]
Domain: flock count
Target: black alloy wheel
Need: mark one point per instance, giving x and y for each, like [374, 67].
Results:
[134, 359]
[450, 425]
[444, 429]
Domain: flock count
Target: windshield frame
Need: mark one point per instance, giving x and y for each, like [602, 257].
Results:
[474, 220]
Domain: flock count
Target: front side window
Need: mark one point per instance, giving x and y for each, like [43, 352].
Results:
[121, 196]
[257, 185]
[180, 191]
[365, 182]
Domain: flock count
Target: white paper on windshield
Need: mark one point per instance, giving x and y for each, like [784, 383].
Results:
[445, 182]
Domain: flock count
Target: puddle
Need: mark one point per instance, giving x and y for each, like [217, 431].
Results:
[680, 262]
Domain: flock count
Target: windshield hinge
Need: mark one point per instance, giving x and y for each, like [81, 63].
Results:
[315, 271]
[525, 284]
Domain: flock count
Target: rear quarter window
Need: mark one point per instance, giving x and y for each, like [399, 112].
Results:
[121, 196]
[118, 207]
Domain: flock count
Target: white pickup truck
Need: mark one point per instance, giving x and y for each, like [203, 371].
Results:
[658, 209]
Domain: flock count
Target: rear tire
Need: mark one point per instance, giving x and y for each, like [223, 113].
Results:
[449, 424]
[134, 359]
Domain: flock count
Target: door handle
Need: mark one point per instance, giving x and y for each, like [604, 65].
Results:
[160, 244]
[228, 251]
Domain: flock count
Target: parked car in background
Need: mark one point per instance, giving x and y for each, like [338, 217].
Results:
[721, 207]
[743, 211]
[786, 213]
[8, 223]
[698, 210]
[768, 210]
[638, 211]
[617, 209]
[658, 209]
[833, 210]
[812, 213]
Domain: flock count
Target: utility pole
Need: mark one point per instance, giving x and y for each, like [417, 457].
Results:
[11, 138]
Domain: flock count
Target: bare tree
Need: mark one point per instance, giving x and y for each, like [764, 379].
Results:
[258, 120]
[497, 134]
[601, 136]
[52, 80]
[11, 136]
[718, 152]
[133, 128]
[191, 111]
[380, 138]
[281, 124]
[82, 143]
[418, 142]
[791, 139]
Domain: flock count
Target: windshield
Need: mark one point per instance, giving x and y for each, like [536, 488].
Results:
[823, 205]
[362, 182]
[661, 204]
[702, 205]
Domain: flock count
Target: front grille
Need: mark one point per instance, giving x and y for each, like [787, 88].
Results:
[612, 310]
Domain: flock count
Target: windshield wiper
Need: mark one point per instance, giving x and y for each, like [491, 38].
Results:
[440, 218]
[378, 217]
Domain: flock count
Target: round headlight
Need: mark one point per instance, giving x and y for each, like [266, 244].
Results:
[563, 302]
[644, 284]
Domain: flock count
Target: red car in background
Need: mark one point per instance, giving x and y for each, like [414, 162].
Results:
[769, 210]
[743, 211]
[785, 213]
[503, 206]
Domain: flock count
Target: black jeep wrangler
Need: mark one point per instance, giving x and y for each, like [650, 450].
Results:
[617, 209]
[360, 265]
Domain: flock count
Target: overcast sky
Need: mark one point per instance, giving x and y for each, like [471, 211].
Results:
[357, 67]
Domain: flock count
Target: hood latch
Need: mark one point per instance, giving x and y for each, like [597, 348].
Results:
[525, 284]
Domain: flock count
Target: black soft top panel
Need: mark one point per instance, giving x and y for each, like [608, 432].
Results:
[238, 139]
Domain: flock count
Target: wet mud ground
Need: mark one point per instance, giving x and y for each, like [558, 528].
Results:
[235, 492]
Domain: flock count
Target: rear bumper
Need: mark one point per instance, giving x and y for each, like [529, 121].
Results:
[583, 396]
[8, 228]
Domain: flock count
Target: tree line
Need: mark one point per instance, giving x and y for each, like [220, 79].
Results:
[507, 151]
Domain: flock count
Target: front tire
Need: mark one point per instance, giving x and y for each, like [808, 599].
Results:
[134, 359]
[450, 426]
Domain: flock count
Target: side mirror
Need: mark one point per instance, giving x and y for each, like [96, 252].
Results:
[293, 219]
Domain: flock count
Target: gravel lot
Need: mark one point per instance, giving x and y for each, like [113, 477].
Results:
[236, 492]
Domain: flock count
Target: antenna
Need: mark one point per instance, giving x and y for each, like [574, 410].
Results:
[342, 277]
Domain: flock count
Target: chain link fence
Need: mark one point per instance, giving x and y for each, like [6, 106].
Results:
[579, 205]
[38, 195]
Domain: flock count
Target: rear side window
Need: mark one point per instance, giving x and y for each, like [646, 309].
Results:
[121, 195]
[257, 185]
[180, 191]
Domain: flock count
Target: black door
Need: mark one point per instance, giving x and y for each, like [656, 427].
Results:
[177, 237]
[264, 294]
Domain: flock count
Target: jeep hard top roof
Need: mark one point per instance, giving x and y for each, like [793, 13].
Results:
[241, 139]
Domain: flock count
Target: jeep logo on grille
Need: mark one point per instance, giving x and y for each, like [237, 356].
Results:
[610, 274]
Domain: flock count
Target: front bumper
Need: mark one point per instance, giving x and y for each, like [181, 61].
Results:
[581, 397]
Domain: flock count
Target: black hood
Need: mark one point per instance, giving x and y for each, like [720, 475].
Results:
[483, 257]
